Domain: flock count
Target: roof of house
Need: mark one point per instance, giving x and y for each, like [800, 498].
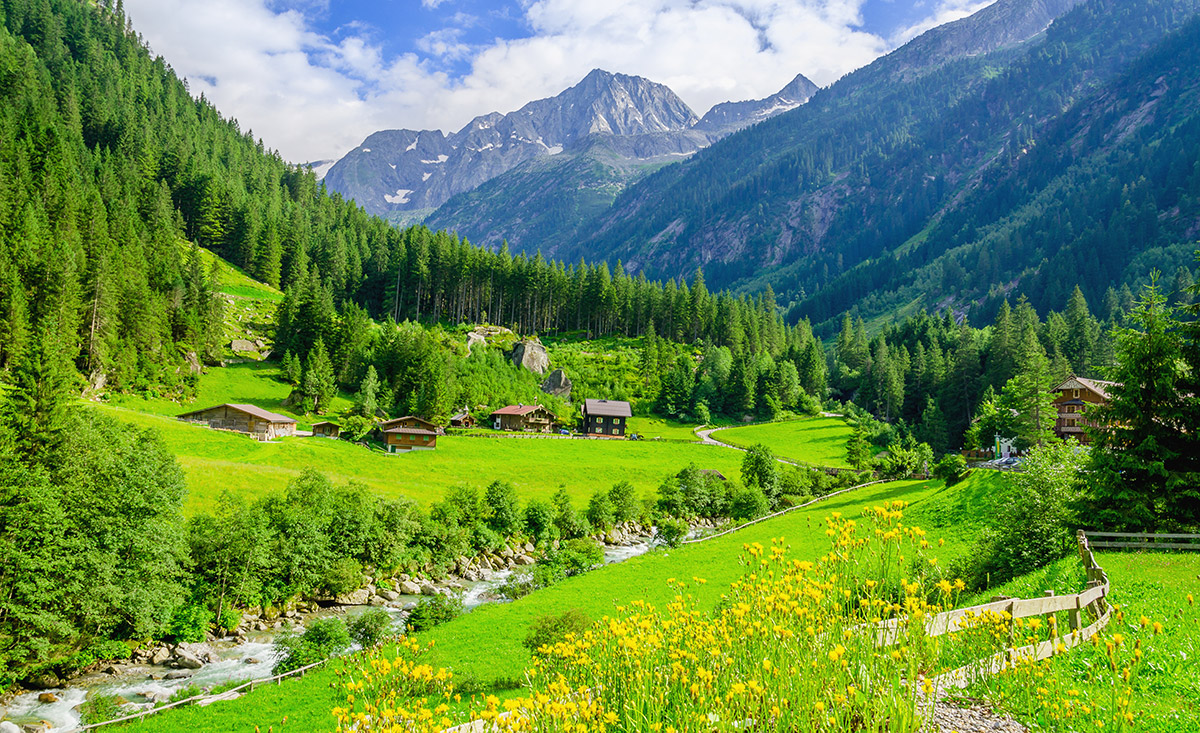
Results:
[461, 415]
[387, 423]
[1099, 386]
[607, 408]
[518, 409]
[249, 410]
[410, 431]
[325, 422]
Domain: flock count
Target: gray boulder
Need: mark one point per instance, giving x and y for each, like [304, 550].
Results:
[187, 660]
[390, 595]
[428, 589]
[525, 560]
[242, 345]
[530, 354]
[359, 597]
[558, 384]
[409, 588]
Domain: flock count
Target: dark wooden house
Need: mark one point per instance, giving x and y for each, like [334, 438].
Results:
[605, 417]
[462, 419]
[326, 429]
[1075, 396]
[409, 433]
[248, 419]
[529, 418]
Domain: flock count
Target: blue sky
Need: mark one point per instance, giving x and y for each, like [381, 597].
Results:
[314, 77]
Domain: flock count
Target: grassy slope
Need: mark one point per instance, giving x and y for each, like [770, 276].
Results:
[819, 441]
[486, 642]
[215, 461]
[1156, 584]
[657, 427]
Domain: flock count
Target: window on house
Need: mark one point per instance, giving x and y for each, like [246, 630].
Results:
[1075, 393]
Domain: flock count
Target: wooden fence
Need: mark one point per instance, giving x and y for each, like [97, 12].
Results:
[203, 699]
[1142, 541]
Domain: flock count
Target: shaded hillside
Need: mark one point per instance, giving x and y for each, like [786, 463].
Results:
[937, 145]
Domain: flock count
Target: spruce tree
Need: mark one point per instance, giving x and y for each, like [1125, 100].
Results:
[1140, 434]
[366, 402]
[319, 386]
[34, 409]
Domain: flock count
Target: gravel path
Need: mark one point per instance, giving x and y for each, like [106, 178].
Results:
[978, 718]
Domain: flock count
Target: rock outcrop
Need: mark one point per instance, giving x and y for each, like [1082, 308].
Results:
[530, 354]
[558, 384]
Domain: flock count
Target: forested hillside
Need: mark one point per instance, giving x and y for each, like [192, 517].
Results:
[940, 179]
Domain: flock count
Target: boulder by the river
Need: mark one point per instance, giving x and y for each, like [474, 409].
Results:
[558, 384]
[47, 698]
[9, 727]
[530, 353]
[409, 588]
[359, 597]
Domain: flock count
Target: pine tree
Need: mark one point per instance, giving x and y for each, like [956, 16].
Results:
[319, 386]
[1141, 432]
[1080, 341]
[33, 412]
[365, 403]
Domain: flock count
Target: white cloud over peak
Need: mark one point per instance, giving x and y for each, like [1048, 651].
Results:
[312, 97]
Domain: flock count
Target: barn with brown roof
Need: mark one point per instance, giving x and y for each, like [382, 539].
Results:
[249, 419]
[529, 418]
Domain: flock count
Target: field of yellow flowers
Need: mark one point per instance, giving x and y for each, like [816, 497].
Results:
[791, 647]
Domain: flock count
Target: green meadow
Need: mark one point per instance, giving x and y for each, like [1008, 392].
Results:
[819, 441]
[215, 461]
[485, 644]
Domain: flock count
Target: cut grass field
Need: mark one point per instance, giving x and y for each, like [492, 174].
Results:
[255, 383]
[486, 643]
[657, 427]
[818, 441]
[216, 460]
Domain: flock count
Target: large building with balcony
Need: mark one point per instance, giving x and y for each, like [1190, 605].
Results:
[529, 418]
[1075, 397]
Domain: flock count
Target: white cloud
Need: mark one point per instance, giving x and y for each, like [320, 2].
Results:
[314, 98]
[946, 11]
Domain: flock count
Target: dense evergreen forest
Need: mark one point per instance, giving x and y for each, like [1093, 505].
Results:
[927, 179]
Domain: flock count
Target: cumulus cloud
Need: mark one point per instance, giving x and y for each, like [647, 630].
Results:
[312, 97]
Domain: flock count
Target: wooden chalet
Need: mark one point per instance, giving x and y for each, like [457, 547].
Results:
[462, 419]
[326, 429]
[248, 419]
[605, 417]
[409, 433]
[528, 418]
[1075, 396]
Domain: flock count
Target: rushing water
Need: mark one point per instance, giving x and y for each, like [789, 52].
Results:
[252, 659]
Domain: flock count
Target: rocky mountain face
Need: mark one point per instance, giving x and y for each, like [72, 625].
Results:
[406, 174]
[986, 157]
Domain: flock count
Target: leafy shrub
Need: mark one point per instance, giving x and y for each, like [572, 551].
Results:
[672, 531]
[109, 649]
[325, 638]
[567, 520]
[951, 469]
[574, 556]
[600, 512]
[539, 520]
[370, 628]
[356, 428]
[625, 504]
[342, 577]
[190, 623]
[551, 629]
[101, 708]
[748, 502]
[433, 611]
[501, 509]
[229, 620]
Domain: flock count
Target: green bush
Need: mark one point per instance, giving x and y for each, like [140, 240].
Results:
[109, 649]
[101, 709]
[625, 504]
[501, 509]
[539, 520]
[434, 610]
[370, 628]
[546, 630]
[183, 693]
[190, 623]
[951, 469]
[325, 638]
[574, 556]
[672, 532]
[342, 577]
[600, 513]
[748, 502]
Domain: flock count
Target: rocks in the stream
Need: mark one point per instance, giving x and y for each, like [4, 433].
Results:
[188, 661]
[47, 698]
[177, 675]
[428, 589]
[359, 597]
[409, 588]
[389, 595]
[252, 660]
[525, 560]
[9, 727]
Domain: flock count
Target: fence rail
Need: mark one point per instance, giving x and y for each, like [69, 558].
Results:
[1142, 541]
[204, 699]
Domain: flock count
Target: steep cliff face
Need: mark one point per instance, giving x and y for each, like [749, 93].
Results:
[635, 123]
[415, 171]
